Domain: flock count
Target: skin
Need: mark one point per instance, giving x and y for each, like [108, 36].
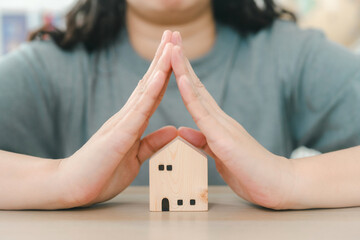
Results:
[111, 159]
[105, 165]
[147, 20]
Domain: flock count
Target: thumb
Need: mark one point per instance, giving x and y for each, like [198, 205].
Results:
[196, 138]
[155, 141]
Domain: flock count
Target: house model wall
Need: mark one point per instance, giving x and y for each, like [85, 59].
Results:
[178, 178]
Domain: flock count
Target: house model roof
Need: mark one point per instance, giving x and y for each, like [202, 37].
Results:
[178, 138]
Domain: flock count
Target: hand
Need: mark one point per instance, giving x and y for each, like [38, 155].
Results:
[249, 169]
[111, 159]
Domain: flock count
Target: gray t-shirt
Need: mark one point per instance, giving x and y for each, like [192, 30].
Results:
[287, 87]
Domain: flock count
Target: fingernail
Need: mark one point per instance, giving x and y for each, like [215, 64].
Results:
[179, 39]
[157, 75]
[163, 36]
[187, 81]
[168, 45]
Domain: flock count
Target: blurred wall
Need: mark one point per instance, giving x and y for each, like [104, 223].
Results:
[19, 17]
[35, 5]
[339, 19]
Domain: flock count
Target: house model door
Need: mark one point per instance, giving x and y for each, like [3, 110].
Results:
[165, 205]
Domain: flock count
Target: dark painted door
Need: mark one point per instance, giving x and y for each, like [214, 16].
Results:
[165, 205]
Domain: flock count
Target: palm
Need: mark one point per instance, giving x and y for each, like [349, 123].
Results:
[247, 167]
[124, 174]
[111, 159]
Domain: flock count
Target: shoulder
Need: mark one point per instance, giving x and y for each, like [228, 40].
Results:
[289, 48]
[45, 55]
[287, 37]
[290, 42]
[45, 65]
[42, 67]
[291, 29]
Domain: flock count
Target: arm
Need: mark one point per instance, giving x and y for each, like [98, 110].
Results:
[29, 182]
[105, 165]
[327, 181]
[255, 174]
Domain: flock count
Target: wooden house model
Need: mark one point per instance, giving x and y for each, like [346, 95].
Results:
[178, 178]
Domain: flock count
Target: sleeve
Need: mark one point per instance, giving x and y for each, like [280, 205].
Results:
[324, 102]
[26, 105]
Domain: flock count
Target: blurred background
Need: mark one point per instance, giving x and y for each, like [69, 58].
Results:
[19, 17]
[339, 19]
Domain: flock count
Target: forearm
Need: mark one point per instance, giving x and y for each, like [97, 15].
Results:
[327, 181]
[28, 182]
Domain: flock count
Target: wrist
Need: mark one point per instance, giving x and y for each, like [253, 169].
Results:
[73, 191]
[65, 187]
[269, 184]
[285, 192]
[289, 200]
[56, 191]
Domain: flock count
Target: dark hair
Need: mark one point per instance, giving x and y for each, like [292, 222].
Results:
[97, 23]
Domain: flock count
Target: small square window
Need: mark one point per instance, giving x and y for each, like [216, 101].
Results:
[180, 202]
[161, 167]
[169, 167]
[192, 201]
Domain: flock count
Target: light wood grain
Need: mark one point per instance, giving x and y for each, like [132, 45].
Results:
[229, 217]
[187, 181]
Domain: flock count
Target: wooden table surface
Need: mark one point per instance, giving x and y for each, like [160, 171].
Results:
[128, 217]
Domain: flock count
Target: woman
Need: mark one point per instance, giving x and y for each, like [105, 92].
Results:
[285, 86]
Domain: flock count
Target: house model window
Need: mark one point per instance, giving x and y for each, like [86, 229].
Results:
[178, 178]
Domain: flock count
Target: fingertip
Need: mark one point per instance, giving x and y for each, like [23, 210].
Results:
[193, 136]
[188, 130]
[167, 34]
[183, 80]
[162, 46]
[179, 38]
[170, 128]
[159, 75]
[181, 128]
[168, 49]
[156, 140]
[166, 55]
[173, 38]
[178, 50]
[169, 45]
[169, 131]
[176, 38]
[181, 131]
